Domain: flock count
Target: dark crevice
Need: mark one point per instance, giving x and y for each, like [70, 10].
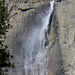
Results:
[48, 31]
[47, 41]
[50, 21]
[74, 38]
[23, 10]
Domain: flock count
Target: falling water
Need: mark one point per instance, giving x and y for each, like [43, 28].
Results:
[36, 55]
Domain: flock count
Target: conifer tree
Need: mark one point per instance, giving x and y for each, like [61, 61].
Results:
[4, 53]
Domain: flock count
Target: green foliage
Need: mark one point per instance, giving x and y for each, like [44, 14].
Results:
[3, 17]
[4, 53]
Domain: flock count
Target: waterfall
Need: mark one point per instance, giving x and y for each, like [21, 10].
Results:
[36, 55]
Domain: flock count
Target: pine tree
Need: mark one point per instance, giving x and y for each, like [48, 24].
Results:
[4, 53]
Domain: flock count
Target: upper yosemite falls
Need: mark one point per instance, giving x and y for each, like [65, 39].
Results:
[41, 37]
[36, 55]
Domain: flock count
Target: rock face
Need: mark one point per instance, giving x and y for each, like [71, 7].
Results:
[66, 28]
[63, 32]
[61, 35]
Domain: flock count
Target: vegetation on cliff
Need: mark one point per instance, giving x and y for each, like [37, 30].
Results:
[4, 53]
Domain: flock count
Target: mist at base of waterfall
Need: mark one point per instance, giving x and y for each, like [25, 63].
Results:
[36, 55]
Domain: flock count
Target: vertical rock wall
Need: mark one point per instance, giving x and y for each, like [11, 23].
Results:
[61, 37]
[66, 27]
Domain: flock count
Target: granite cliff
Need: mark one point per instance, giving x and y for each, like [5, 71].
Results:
[60, 34]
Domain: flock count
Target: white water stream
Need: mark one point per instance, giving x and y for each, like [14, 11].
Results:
[36, 56]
